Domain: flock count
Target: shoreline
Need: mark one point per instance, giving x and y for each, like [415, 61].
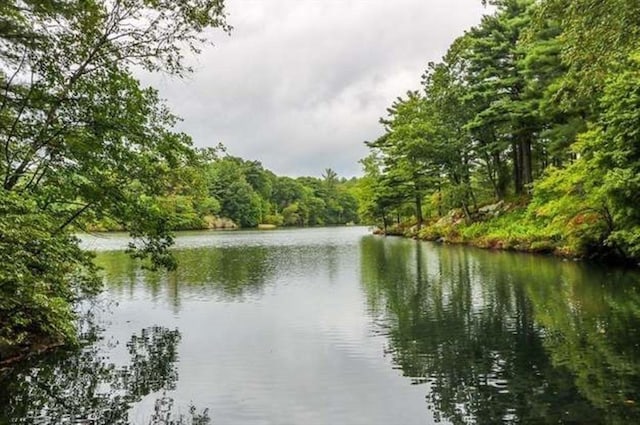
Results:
[509, 229]
[557, 254]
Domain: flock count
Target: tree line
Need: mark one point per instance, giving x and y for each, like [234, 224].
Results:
[538, 106]
[218, 190]
[251, 195]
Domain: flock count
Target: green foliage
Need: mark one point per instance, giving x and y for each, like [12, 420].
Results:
[275, 219]
[407, 149]
[540, 103]
[595, 198]
[82, 140]
[598, 36]
[188, 213]
[292, 215]
[238, 200]
[618, 153]
[250, 195]
[43, 274]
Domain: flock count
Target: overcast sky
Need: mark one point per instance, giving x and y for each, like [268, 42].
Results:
[300, 84]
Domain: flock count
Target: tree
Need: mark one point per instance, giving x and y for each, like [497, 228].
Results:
[79, 135]
[598, 36]
[496, 86]
[600, 190]
[286, 191]
[330, 179]
[451, 144]
[407, 155]
[546, 88]
[228, 184]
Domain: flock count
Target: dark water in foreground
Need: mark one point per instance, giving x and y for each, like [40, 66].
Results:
[332, 326]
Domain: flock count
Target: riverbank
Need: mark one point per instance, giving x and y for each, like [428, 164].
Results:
[107, 225]
[515, 227]
[221, 224]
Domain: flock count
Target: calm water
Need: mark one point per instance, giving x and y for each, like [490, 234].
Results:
[333, 326]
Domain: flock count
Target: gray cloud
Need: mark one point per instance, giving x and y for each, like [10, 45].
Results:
[300, 84]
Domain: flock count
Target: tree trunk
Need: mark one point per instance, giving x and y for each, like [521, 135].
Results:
[473, 198]
[467, 214]
[440, 212]
[517, 169]
[467, 179]
[526, 161]
[497, 178]
[492, 175]
[419, 209]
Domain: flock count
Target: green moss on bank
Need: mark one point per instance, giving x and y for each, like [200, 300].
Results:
[511, 231]
[520, 228]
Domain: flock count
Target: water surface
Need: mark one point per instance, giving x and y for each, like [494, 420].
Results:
[333, 326]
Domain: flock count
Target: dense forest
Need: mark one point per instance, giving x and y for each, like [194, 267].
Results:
[219, 191]
[525, 136]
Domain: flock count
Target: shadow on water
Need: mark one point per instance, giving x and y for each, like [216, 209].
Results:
[83, 387]
[508, 338]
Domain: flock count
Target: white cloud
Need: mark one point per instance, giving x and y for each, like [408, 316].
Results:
[300, 84]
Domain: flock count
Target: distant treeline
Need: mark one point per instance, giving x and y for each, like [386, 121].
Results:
[537, 106]
[216, 190]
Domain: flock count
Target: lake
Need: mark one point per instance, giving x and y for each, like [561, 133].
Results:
[336, 326]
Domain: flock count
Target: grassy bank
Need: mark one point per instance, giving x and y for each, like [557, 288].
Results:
[518, 227]
[509, 231]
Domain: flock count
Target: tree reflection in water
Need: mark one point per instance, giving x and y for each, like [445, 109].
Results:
[504, 338]
[81, 387]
